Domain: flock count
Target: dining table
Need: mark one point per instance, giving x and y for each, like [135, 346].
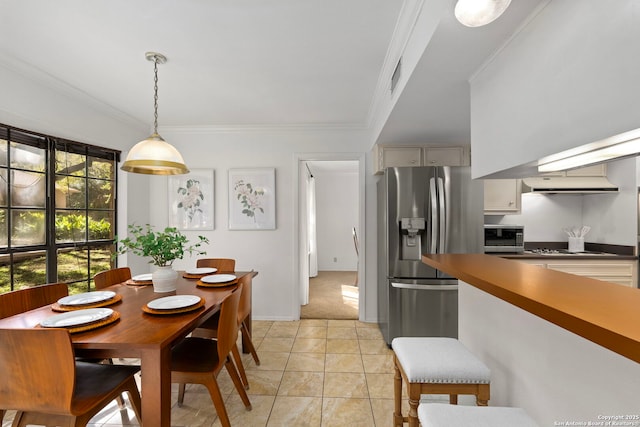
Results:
[139, 333]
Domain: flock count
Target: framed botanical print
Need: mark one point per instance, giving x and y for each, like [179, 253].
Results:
[191, 200]
[252, 199]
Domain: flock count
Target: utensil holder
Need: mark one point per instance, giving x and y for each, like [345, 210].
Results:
[576, 244]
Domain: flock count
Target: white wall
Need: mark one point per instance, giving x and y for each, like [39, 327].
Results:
[270, 252]
[337, 214]
[567, 79]
[554, 374]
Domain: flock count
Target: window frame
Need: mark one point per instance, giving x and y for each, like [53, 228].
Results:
[51, 247]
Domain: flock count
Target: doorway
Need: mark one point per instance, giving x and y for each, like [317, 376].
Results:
[329, 259]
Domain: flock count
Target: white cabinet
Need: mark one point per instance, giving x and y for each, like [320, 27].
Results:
[502, 196]
[622, 272]
[444, 156]
[385, 156]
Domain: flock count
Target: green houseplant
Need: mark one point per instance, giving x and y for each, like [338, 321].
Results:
[163, 247]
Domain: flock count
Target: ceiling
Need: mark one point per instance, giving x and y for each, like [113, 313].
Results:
[237, 63]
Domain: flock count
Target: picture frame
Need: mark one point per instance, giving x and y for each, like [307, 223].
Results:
[252, 199]
[191, 200]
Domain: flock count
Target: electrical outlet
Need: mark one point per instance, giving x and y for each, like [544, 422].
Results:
[335, 259]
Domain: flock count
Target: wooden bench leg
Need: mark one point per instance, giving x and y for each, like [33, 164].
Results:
[482, 398]
[453, 399]
[413, 412]
[397, 395]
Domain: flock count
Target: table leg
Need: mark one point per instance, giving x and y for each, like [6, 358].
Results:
[245, 347]
[156, 387]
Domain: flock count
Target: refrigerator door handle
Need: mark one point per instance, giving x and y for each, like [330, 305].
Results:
[442, 217]
[425, 287]
[434, 215]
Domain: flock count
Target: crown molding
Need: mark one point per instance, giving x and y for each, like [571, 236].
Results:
[45, 79]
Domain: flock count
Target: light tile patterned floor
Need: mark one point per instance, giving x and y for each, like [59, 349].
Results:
[312, 373]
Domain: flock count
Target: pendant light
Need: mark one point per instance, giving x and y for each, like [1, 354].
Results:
[154, 156]
[476, 13]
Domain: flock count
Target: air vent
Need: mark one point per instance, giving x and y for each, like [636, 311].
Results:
[396, 75]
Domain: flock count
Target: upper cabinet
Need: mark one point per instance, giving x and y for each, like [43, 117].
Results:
[385, 156]
[502, 196]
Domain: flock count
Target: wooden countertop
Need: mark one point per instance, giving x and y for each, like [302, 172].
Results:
[604, 313]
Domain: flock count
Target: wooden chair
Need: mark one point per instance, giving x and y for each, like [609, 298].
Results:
[52, 388]
[224, 265]
[209, 329]
[21, 300]
[111, 277]
[103, 280]
[198, 360]
[26, 299]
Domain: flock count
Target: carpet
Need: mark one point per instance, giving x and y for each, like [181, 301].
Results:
[332, 295]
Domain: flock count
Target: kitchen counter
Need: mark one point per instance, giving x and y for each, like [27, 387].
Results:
[595, 251]
[601, 312]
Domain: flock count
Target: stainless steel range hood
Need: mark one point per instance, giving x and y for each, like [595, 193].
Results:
[568, 185]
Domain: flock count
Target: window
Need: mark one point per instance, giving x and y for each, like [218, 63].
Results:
[57, 210]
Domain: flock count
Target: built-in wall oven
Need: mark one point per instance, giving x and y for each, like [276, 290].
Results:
[503, 238]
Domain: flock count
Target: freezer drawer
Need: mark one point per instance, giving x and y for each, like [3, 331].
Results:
[419, 309]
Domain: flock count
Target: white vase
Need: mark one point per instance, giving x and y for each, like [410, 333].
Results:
[164, 279]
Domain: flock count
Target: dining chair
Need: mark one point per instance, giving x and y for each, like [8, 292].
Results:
[111, 277]
[103, 280]
[209, 329]
[197, 360]
[57, 389]
[227, 265]
[21, 300]
[26, 299]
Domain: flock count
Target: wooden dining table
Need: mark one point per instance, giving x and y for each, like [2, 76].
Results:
[138, 334]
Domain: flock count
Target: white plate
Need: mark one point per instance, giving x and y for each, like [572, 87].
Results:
[142, 277]
[87, 298]
[76, 317]
[218, 278]
[201, 270]
[173, 302]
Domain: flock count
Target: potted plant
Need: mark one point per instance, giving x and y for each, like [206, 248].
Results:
[163, 247]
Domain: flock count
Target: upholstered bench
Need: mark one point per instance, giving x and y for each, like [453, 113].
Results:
[443, 415]
[435, 365]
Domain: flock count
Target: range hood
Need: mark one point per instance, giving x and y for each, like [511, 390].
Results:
[568, 185]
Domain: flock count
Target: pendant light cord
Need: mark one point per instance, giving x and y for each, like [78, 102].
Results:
[155, 95]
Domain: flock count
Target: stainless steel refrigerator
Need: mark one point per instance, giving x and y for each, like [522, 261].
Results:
[424, 210]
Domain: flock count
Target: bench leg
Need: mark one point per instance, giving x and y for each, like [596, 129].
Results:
[397, 396]
[453, 399]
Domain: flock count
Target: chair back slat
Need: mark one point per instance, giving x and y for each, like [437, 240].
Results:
[111, 277]
[244, 306]
[228, 324]
[222, 264]
[37, 368]
[21, 300]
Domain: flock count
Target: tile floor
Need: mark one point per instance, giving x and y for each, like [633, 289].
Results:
[312, 373]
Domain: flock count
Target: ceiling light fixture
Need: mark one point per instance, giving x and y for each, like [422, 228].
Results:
[620, 146]
[155, 156]
[476, 13]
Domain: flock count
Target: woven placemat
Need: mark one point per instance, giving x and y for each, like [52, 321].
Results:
[94, 325]
[132, 282]
[216, 285]
[194, 276]
[194, 307]
[57, 307]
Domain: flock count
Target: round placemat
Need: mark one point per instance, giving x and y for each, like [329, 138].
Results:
[194, 307]
[216, 285]
[58, 307]
[132, 282]
[94, 325]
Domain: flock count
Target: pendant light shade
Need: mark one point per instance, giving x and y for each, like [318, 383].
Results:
[476, 13]
[155, 156]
